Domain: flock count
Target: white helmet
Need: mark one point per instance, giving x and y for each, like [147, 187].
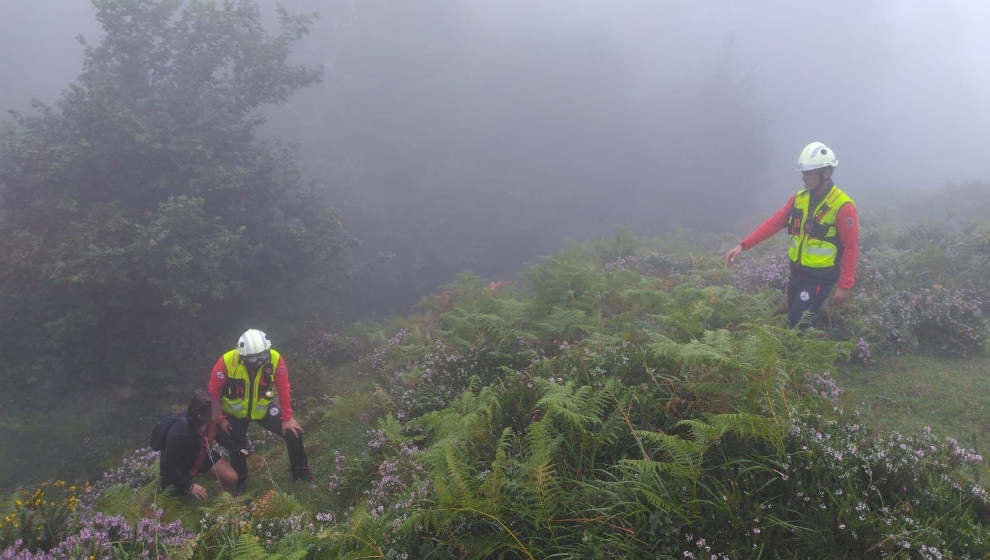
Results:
[815, 156]
[253, 342]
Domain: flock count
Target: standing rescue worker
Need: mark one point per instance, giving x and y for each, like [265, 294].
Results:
[824, 230]
[252, 383]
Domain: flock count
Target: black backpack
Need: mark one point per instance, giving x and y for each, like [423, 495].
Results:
[160, 431]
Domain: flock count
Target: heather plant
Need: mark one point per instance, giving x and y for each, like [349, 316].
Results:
[378, 476]
[881, 494]
[97, 535]
[761, 272]
[385, 355]
[135, 470]
[924, 291]
[920, 289]
[938, 320]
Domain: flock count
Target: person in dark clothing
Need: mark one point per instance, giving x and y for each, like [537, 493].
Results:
[186, 452]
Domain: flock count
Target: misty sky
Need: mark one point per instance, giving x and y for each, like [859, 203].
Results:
[899, 89]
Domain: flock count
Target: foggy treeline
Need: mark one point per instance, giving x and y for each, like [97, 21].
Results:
[453, 136]
[459, 135]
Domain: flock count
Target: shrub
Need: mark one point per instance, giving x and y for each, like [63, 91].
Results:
[41, 517]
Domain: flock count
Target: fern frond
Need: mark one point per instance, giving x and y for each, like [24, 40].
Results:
[681, 451]
[539, 440]
[751, 426]
[703, 432]
[721, 388]
[720, 340]
[568, 404]
[696, 353]
[564, 323]
[457, 473]
[499, 466]
[647, 468]
[247, 547]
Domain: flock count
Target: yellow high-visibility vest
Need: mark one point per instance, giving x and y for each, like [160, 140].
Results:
[814, 239]
[243, 392]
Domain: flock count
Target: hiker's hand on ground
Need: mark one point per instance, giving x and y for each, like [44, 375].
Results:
[197, 491]
[730, 257]
[224, 425]
[291, 425]
[841, 295]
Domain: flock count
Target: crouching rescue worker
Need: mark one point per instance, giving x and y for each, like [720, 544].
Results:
[252, 383]
[185, 452]
[824, 230]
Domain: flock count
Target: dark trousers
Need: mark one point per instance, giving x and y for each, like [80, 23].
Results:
[237, 440]
[805, 294]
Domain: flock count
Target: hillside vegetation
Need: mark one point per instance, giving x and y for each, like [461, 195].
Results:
[621, 399]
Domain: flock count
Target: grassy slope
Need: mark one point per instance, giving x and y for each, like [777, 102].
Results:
[907, 393]
[898, 393]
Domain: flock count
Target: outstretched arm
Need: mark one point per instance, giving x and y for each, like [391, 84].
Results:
[774, 224]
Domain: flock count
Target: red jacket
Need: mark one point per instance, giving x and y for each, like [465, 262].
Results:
[218, 377]
[847, 228]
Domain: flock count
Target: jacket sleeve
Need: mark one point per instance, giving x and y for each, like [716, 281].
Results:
[218, 378]
[847, 224]
[175, 461]
[284, 390]
[774, 224]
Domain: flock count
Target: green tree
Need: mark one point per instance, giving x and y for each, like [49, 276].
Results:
[141, 217]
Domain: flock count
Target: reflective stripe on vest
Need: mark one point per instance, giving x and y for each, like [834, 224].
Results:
[818, 248]
[235, 404]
